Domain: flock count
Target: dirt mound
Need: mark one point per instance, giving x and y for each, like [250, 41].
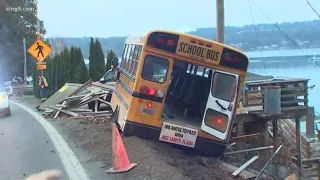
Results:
[156, 160]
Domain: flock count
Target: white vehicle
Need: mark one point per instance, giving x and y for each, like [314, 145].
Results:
[4, 102]
[8, 88]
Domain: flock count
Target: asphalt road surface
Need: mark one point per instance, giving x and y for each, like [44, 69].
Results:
[25, 147]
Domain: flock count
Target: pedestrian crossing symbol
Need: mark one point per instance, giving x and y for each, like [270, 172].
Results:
[39, 50]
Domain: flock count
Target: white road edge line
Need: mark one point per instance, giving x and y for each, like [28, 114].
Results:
[70, 162]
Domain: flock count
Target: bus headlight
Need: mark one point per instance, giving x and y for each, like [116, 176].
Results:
[160, 93]
[1, 97]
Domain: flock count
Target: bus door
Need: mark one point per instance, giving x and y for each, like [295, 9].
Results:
[221, 104]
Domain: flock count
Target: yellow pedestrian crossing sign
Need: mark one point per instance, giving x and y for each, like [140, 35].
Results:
[39, 50]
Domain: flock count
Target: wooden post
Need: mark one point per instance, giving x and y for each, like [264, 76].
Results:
[310, 123]
[275, 139]
[298, 143]
[220, 20]
[275, 131]
[24, 62]
[240, 132]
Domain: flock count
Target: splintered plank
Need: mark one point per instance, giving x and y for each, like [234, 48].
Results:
[245, 174]
[245, 165]
[56, 115]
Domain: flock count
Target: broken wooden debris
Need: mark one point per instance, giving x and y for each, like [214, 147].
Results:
[246, 174]
[262, 170]
[245, 137]
[245, 165]
[249, 150]
[76, 105]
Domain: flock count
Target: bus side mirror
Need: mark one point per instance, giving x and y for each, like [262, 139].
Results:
[114, 63]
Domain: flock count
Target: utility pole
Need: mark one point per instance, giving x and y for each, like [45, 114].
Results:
[24, 62]
[220, 20]
[39, 37]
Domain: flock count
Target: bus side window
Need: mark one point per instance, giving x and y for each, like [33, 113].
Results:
[136, 60]
[126, 66]
[125, 49]
[130, 61]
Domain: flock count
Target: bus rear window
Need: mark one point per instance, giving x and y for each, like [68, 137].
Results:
[155, 69]
[223, 86]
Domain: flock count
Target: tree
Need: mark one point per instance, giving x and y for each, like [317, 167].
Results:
[96, 60]
[100, 61]
[91, 58]
[73, 73]
[84, 74]
[110, 55]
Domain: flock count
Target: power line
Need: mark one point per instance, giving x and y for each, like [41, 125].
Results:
[256, 32]
[277, 26]
[313, 9]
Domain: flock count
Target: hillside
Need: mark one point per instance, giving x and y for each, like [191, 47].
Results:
[267, 36]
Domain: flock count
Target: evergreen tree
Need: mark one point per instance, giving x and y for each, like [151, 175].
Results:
[73, 64]
[92, 58]
[96, 60]
[100, 61]
[110, 55]
[84, 74]
[65, 66]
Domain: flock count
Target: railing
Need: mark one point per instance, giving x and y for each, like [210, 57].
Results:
[293, 93]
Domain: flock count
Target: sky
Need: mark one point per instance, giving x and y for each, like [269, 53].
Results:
[109, 18]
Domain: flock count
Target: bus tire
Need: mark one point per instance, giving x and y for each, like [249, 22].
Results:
[115, 118]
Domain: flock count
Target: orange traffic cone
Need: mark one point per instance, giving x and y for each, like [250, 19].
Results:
[121, 162]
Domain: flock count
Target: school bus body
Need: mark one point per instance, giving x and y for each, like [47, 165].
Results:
[128, 100]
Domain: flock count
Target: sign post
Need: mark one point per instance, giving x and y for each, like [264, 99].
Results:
[39, 50]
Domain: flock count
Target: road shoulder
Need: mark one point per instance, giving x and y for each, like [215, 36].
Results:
[92, 144]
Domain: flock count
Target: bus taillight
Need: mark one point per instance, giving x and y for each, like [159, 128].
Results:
[152, 92]
[143, 89]
[149, 104]
[219, 121]
[161, 40]
[228, 57]
[170, 42]
[231, 58]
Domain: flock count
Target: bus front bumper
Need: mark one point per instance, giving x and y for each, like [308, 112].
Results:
[206, 147]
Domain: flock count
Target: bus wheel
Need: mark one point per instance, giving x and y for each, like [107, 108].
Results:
[115, 118]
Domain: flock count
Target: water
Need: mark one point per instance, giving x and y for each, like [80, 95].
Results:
[290, 67]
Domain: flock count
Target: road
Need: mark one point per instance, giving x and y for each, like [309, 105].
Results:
[25, 147]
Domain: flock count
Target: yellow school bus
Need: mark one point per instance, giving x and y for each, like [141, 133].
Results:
[180, 89]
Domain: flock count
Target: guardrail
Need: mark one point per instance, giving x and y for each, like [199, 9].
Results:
[293, 93]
